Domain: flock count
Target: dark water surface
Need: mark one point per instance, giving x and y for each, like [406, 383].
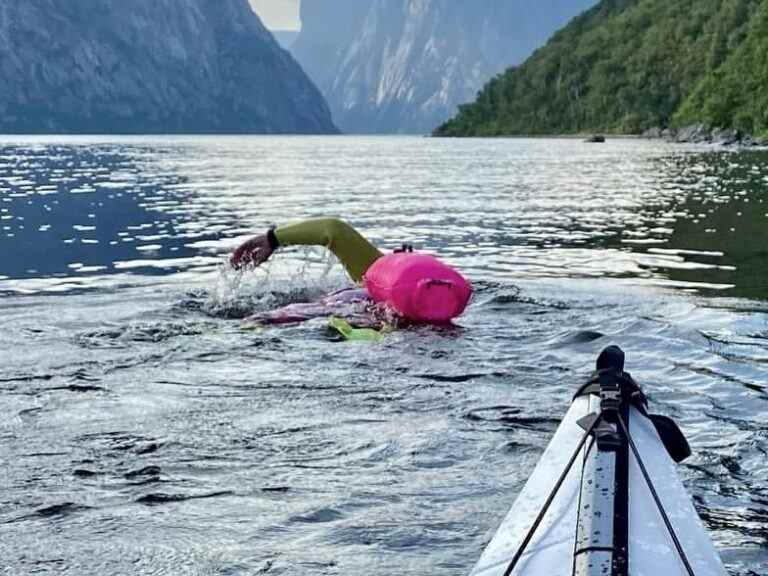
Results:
[146, 429]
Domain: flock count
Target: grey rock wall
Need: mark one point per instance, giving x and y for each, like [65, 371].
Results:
[703, 134]
[403, 66]
[149, 66]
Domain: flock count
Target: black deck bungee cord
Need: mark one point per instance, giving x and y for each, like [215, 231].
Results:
[550, 498]
[656, 498]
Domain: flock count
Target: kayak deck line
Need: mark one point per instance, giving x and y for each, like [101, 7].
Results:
[656, 498]
[617, 507]
[550, 499]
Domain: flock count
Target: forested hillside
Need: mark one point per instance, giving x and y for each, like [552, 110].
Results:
[736, 94]
[628, 65]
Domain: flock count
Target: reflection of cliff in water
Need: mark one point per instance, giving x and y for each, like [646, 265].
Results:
[718, 232]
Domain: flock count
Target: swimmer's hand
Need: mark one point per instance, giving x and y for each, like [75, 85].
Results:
[253, 252]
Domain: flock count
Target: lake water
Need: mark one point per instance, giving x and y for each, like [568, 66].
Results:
[148, 429]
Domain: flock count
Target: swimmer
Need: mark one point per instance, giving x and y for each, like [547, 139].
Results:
[417, 287]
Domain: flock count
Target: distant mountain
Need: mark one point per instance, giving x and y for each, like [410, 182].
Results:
[149, 66]
[405, 65]
[629, 65]
[328, 28]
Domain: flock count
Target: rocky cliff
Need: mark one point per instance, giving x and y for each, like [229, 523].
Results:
[149, 66]
[405, 65]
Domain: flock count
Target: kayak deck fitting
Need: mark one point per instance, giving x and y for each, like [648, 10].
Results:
[605, 498]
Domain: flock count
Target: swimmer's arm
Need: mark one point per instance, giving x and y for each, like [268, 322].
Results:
[349, 246]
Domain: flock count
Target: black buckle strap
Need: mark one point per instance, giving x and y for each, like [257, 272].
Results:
[630, 390]
[607, 433]
[671, 436]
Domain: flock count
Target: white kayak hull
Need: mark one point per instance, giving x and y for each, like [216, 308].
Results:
[651, 551]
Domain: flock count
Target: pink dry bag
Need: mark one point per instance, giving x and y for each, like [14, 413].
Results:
[418, 286]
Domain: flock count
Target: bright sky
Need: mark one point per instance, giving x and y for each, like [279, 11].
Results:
[278, 14]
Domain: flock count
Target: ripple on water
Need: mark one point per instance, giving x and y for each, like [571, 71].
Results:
[147, 432]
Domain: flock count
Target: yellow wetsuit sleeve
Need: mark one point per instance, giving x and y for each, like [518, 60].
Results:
[354, 251]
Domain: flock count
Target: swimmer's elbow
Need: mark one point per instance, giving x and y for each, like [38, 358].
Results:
[335, 228]
[318, 232]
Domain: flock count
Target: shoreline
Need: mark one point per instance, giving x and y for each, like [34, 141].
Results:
[667, 136]
[691, 134]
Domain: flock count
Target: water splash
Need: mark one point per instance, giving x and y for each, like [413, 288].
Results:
[298, 275]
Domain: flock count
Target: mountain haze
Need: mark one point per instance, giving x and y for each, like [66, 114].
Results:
[149, 66]
[629, 65]
[285, 38]
[405, 65]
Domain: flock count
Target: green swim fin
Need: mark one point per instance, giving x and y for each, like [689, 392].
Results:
[354, 334]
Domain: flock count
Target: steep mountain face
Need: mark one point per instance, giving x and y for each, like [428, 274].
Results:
[149, 66]
[629, 65]
[328, 29]
[405, 65]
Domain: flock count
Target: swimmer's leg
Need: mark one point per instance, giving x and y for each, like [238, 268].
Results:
[349, 246]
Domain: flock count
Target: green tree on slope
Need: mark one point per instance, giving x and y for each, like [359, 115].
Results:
[736, 94]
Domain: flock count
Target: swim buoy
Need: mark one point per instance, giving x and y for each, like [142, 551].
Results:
[418, 286]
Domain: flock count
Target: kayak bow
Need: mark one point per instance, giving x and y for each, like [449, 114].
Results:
[605, 498]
